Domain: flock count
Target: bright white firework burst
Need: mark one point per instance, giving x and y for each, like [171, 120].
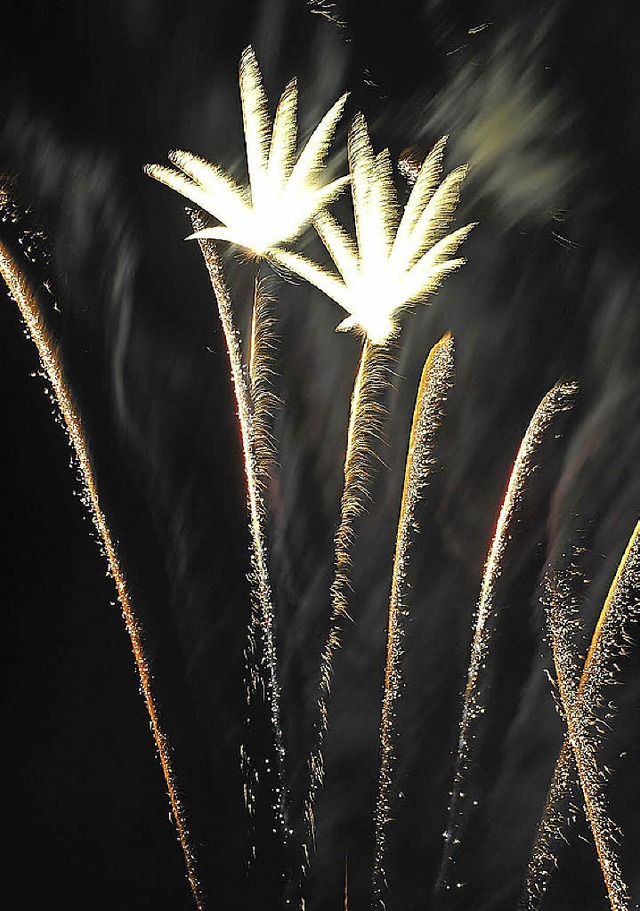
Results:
[283, 194]
[395, 261]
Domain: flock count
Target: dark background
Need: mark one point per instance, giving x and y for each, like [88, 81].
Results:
[543, 104]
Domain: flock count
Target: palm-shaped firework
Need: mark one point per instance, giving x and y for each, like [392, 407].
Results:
[393, 263]
[396, 261]
[284, 194]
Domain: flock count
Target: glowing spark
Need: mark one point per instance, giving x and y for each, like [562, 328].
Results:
[606, 644]
[395, 261]
[28, 304]
[283, 194]
[581, 700]
[253, 458]
[557, 400]
[437, 377]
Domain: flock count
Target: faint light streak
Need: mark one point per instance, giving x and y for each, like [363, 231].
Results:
[284, 194]
[559, 399]
[27, 301]
[436, 380]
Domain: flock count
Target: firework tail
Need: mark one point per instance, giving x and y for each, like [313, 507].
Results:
[582, 697]
[606, 643]
[29, 306]
[256, 453]
[559, 399]
[366, 420]
[437, 378]
[263, 398]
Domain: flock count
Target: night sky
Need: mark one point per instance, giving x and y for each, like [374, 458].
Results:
[543, 104]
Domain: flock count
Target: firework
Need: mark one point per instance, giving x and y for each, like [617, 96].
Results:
[390, 254]
[366, 421]
[437, 377]
[29, 305]
[581, 697]
[556, 401]
[283, 194]
[396, 261]
[606, 643]
[256, 453]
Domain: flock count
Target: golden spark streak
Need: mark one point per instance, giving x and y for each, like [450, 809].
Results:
[262, 602]
[559, 399]
[365, 428]
[581, 699]
[261, 370]
[437, 378]
[29, 307]
[596, 674]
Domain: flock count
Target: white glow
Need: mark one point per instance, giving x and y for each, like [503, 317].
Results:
[284, 194]
[393, 261]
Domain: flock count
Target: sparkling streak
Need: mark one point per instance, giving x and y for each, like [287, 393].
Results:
[28, 304]
[598, 672]
[365, 429]
[264, 401]
[262, 602]
[559, 399]
[582, 701]
[437, 378]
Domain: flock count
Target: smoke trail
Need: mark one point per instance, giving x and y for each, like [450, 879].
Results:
[27, 301]
[256, 453]
[437, 378]
[559, 399]
[597, 673]
[582, 696]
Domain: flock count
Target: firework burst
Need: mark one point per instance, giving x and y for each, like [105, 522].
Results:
[394, 261]
[284, 194]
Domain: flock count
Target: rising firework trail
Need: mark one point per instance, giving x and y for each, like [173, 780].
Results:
[392, 263]
[559, 399]
[436, 380]
[254, 456]
[580, 708]
[27, 300]
[598, 672]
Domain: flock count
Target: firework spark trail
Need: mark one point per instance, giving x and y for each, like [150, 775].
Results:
[261, 371]
[262, 602]
[366, 419]
[559, 399]
[606, 644]
[28, 304]
[582, 698]
[437, 378]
